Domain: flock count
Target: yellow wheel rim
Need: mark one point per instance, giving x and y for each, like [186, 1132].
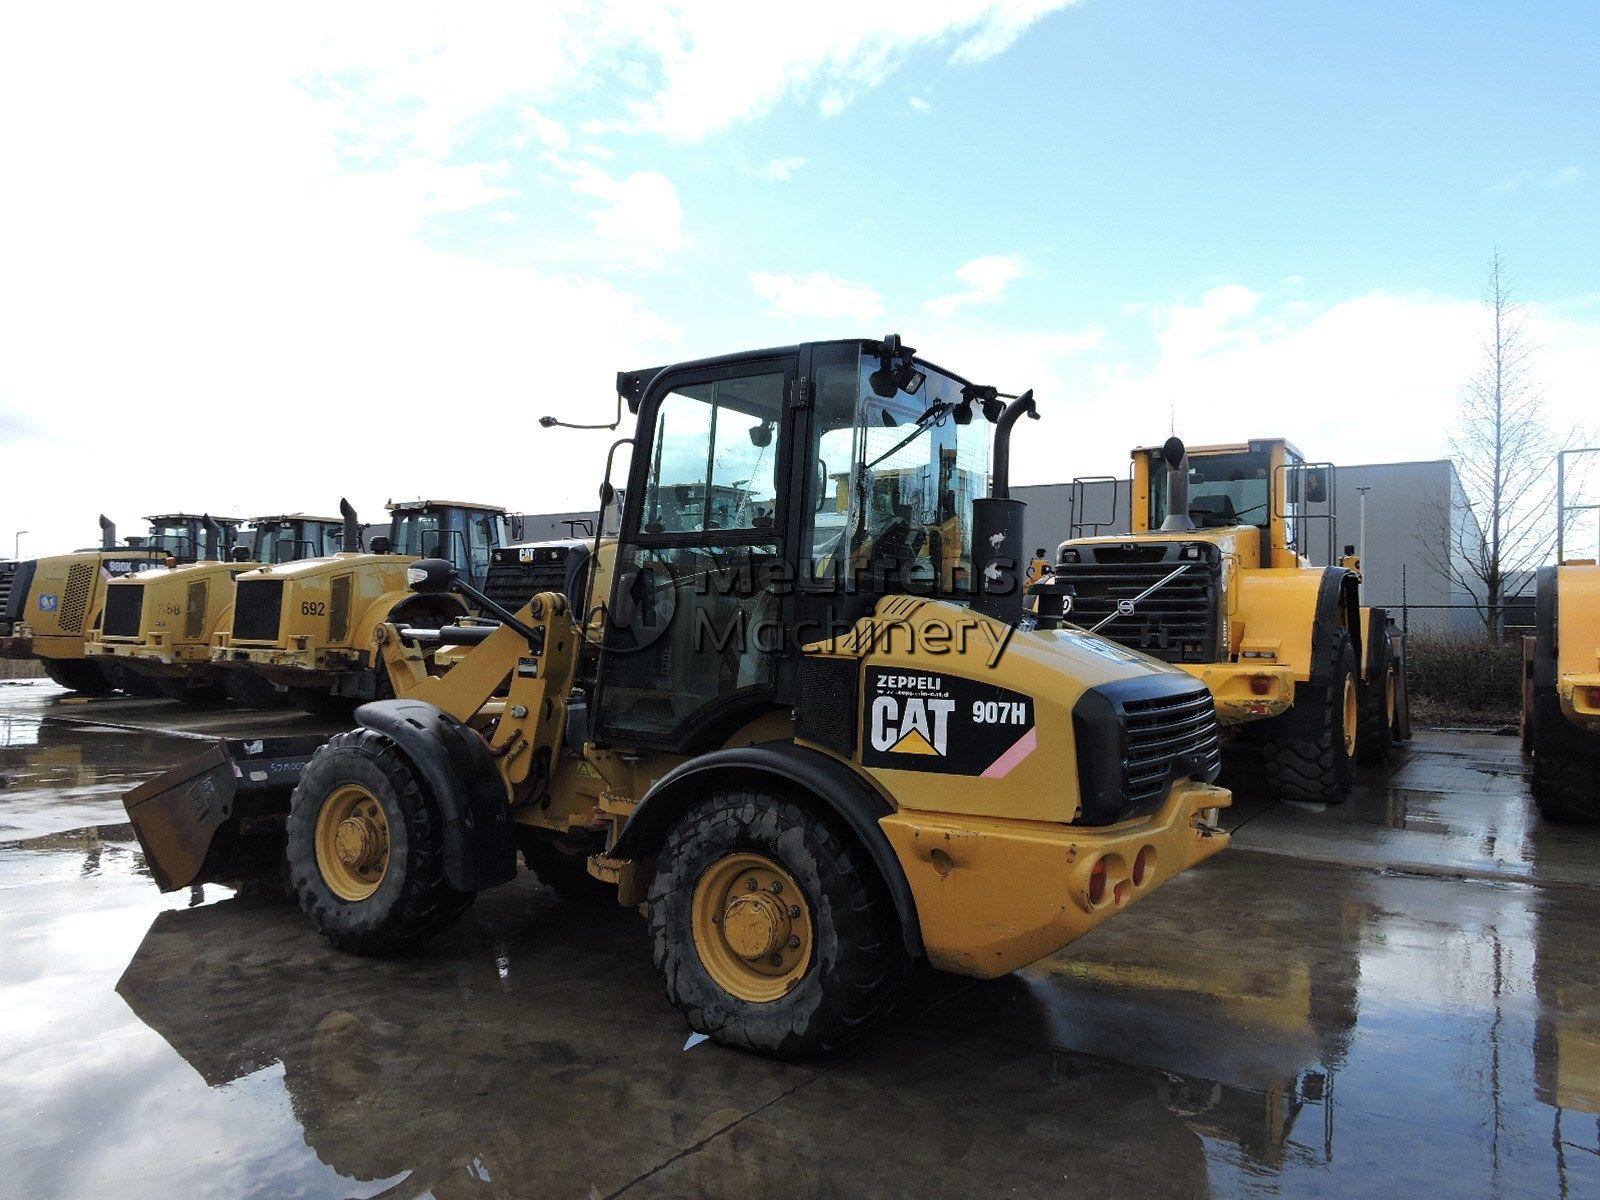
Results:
[1350, 710]
[1390, 686]
[752, 927]
[352, 842]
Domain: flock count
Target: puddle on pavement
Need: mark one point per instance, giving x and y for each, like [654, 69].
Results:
[1258, 1027]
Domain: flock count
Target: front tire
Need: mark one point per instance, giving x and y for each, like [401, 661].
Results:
[365, 845]
[211, 694]
[563, 872]
[1309, 752]
[771, 930]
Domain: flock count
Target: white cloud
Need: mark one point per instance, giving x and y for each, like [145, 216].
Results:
[1563, 177]
[817, 295]
[778, 170]
[640, 216]
[986, 278]
[918, 103]
[1372, 378]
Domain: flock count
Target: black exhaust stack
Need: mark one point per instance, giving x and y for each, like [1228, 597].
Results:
[997, 528]
[108, 533]
[352, 526]
[1177, 460]
[213, 538]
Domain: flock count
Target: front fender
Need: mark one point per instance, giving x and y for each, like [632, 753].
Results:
[465, 782]
[829, 782]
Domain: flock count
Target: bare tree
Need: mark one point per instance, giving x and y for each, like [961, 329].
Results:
[1504, 451]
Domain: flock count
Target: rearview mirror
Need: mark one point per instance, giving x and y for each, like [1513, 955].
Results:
[761, 435]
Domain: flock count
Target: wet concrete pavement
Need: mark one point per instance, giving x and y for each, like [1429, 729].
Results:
[1391, 997]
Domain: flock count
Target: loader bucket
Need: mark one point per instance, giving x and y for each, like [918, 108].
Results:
[219, 816]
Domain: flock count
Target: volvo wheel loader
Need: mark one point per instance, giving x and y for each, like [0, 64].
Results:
[1215, 578]
[309, 626]
[50, 607]
[1561, 695]
[809, 752]
[160, 624]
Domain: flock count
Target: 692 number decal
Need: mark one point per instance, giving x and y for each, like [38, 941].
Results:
[313, 608]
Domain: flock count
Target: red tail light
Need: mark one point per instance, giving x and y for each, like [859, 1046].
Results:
[1097, 882]
[1261, 685]
[1141, 865]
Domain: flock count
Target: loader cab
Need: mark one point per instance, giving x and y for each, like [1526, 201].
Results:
[772, 499]
[1265, 484]
[294, 536]
[465, 534]
[191, 537]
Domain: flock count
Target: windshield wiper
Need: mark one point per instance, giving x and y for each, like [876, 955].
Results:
[926, 421]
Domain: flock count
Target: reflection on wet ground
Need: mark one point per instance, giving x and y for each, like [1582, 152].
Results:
[1269, 1024]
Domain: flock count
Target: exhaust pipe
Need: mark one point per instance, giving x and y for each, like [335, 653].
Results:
[108, 533]
[213, 538]
[997, 527]
[1177, 460]
[352, 526]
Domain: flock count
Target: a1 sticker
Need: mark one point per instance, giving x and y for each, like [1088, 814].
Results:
[929, 721]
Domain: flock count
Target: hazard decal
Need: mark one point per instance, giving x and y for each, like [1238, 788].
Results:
[927, 721]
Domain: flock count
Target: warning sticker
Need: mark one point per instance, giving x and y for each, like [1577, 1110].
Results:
[928, 721]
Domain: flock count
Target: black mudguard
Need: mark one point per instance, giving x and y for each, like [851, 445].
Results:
[789, 766]
[465, 782]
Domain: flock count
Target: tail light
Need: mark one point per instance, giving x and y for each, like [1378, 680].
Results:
[1097, 881]
[1261, 685]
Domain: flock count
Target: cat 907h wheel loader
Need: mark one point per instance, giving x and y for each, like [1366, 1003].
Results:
[812, 749]
[1215, 578]
[51, 607]
[159, 625]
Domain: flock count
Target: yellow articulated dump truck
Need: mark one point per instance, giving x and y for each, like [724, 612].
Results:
[160, 624]
[50, 607]
[309, 626]
[808, 754]
[1215, 578]
[1561, 693]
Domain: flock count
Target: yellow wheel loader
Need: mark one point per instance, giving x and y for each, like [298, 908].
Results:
[50, 607]
[309, 627]
[159, 625]
[1215, 579]
[807, 752]
[1561, 702]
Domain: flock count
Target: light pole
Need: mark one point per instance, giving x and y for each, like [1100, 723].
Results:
[16, 545]
[1361, 530]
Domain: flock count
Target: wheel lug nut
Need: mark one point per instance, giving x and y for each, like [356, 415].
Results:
[776, 887]
[794, 912]
[794, 942]
[750, 885]
[777, 960]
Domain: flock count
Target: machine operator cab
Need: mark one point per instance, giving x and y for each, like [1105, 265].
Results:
[1264, 484]
[291, 537]
[191, 537]
[464, 534]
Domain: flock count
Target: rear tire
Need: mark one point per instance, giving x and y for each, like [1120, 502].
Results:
[411, 900]
[850, 963]
[211, 694]
[78, 675]
[1379, 698]
[1566, 772]
[1308, 753]
[249, 690]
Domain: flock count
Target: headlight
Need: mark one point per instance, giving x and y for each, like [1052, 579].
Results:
[1068, 555]
[415, 575]
[1190, 551]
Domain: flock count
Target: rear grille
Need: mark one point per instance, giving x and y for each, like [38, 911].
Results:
[75, 601]
[1164, 738]
[8, 573]
[1177, 622]
[124, 610]
[257, 610]
[194, 611]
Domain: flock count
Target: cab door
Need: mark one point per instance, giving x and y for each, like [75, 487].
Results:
[698, 608]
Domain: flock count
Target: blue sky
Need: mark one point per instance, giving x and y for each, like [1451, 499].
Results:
[1249, 219]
